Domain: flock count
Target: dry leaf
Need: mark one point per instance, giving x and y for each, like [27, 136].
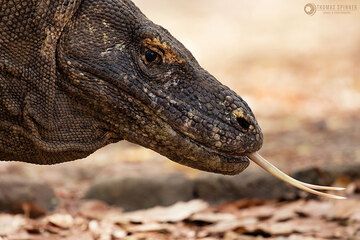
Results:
[227, 226]
[355, 216]
[210, 217]
[105, 230]
[316, 208]
[94, 227]
[175, 213]
[236, 236]
[149, 236]
[118, 234]
[10, 224]
[151, 227]
[306, 226]
[81, 236]
[22, 236]
[300, 237]
[344, 209]
[64, 221]
[241, 204]
[287, 211]
[260, 212]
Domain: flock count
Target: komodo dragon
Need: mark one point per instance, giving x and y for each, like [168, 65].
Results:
[76, 75]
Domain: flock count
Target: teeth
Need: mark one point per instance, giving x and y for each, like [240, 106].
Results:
[267, 166]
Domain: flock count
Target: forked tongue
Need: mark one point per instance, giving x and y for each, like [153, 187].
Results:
[267, 166]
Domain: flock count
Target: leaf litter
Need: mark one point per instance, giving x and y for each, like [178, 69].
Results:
[244, 219]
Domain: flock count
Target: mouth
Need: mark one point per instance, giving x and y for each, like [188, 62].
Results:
[207, 159]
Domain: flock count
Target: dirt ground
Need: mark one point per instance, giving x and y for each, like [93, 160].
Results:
[301, 76]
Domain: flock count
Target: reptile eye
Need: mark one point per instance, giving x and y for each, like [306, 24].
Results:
[152, 56]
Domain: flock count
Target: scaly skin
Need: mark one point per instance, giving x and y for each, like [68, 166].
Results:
[76, 75]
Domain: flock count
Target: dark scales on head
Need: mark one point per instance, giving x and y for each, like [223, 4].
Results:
[78, 75]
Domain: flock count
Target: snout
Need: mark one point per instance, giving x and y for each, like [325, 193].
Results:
[219, 120]
[242, 134]
[230, 124]
[250, 137]
[234, 129]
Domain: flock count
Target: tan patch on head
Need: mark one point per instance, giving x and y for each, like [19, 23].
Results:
[168, 54]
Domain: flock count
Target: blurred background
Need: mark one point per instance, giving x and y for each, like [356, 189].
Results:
[299, 73]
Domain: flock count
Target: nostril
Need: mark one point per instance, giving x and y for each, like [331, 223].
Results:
[243, 123]
[241, 118]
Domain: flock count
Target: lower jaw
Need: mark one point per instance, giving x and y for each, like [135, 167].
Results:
[218, 165]
[192, 154]
[216, 162]
[206, 159]
[185, 151]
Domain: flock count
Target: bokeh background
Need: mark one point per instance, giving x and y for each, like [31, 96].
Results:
[299, 73]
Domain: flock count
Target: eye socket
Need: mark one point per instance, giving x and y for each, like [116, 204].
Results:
[151, 56]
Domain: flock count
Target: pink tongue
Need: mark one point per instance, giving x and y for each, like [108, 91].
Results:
[267, 166]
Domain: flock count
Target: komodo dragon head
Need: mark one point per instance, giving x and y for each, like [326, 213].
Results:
[150, 90]
[76, 75]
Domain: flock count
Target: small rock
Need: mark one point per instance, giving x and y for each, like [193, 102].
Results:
[18, 195]
[133, 193]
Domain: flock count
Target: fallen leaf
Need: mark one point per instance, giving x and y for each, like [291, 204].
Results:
[301, 225]
[343, 210]
[210, 217]
[236, 236]
[80, 223]
[10, 224]
[94, 227]
[151, 227]
[148, 236]
[241, 204]
[64, 221]
[299, 237]
[355, 216]
[227, 226]
[287, 211]
[175, 213]
[81, 236]
[315, 209]
[118, 234]
[22, 236]
[106, 230]
[260, 212]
